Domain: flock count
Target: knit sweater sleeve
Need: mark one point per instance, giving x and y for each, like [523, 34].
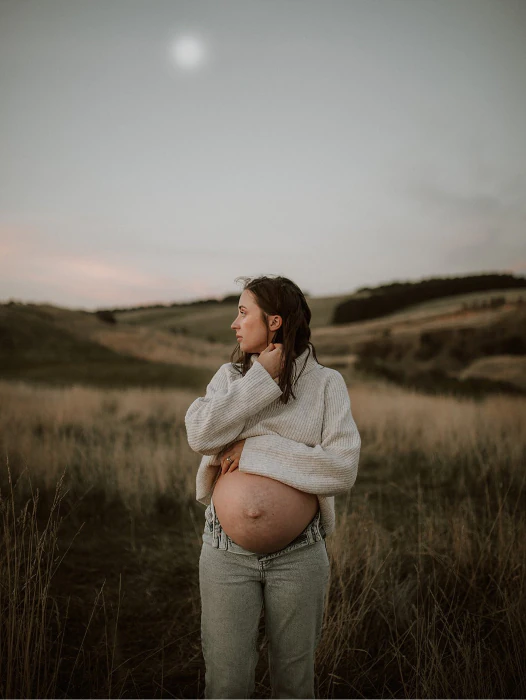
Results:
[216, 419]
[325, 469]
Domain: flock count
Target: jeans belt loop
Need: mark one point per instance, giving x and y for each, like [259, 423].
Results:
[310, 538]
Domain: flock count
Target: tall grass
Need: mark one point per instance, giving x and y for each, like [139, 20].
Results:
[125, 445]
[33, 621]
[31, 629]
[428, 561]
[428, 582]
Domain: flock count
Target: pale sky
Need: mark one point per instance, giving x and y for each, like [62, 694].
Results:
[152, 152]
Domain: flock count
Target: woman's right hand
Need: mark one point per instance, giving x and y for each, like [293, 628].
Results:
[271, 358]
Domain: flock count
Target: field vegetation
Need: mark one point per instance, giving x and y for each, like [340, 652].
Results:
[101, 540]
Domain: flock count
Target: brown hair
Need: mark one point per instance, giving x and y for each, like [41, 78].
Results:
[279, 295]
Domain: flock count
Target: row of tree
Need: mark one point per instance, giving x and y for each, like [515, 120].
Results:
[369, 303]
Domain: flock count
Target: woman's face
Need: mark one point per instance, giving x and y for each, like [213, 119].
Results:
[251, 331]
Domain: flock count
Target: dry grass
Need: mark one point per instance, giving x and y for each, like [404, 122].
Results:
[128, 444]
[157, 345]
[29, 660]
[33, 621]
[427, 594]
[508, 368]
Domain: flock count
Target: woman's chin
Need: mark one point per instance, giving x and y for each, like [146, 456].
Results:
[249, 349]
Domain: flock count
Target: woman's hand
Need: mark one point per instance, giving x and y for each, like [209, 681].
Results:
[272, 359]
[234, 452]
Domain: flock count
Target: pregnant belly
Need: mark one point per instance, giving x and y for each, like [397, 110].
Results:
[259, 513]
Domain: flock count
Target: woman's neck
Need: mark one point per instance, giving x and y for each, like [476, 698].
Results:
[255, 355]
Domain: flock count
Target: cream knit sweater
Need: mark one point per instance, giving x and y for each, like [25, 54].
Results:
[312, 443]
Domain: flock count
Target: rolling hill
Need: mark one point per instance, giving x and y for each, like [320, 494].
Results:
[55, 346]
[184, 345]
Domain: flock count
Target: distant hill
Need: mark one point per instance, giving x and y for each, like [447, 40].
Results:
[33, 346]
[439, 345]
[212, 322]
[385, 299]
[441, 356]
[442, 340]
[210, 319]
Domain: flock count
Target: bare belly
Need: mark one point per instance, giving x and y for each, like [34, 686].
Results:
[259, 513]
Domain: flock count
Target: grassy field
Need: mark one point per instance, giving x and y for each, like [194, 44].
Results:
[101, 536]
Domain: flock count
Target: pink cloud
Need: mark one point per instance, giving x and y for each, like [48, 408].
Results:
[32, 267]
[26, 257]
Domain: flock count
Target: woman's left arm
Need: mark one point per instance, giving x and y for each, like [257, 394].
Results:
[326, 469]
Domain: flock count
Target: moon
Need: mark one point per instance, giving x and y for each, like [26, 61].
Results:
[188, 52]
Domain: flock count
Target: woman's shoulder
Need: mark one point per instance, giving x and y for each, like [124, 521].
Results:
[319, 370]
[328, 376]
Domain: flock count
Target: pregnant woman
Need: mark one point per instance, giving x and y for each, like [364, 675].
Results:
[278, 441]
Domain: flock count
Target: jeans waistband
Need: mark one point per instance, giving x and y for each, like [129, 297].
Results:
[215, 535]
